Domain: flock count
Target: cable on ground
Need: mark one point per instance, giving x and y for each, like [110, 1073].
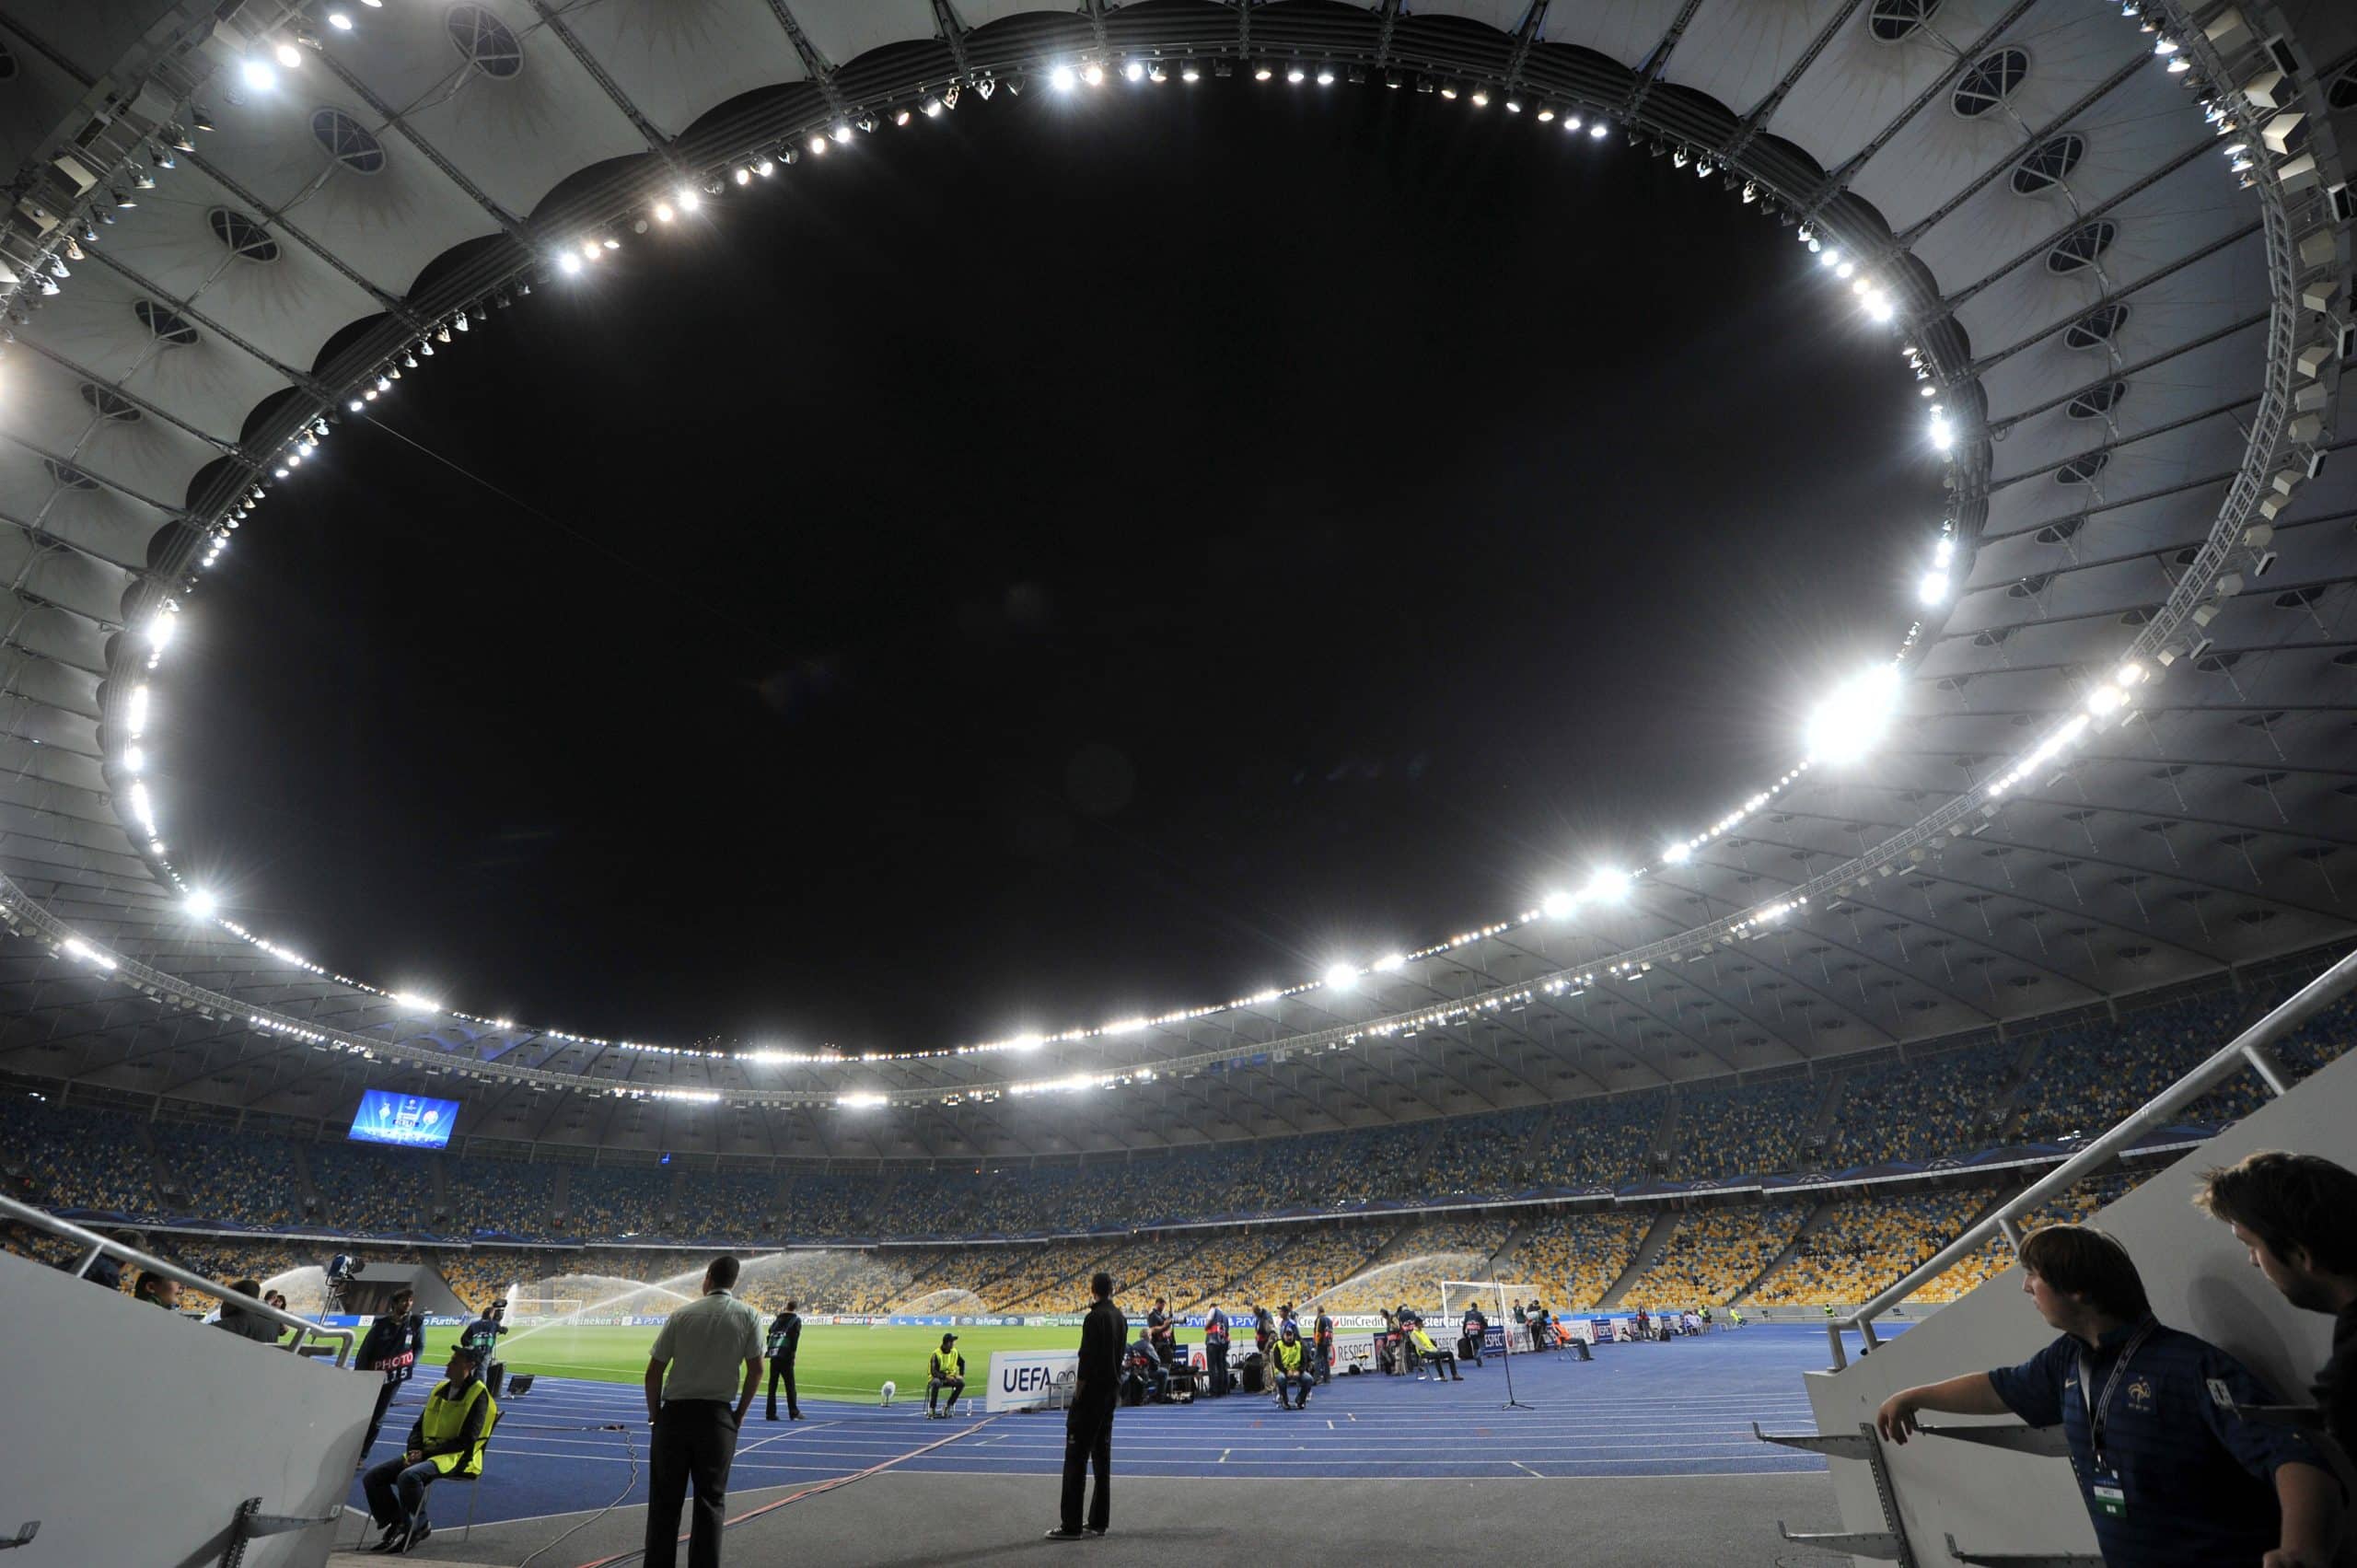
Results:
[817, 1489]
[629, 1448]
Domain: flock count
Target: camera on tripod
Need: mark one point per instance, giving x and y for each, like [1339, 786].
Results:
[341, 1269]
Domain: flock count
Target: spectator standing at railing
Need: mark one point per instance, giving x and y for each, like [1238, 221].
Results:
[159, 1290]
[252, 1325]
[2169, 1480]
[2297, 1215]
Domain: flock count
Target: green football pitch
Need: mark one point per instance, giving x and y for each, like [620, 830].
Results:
[834, 1361]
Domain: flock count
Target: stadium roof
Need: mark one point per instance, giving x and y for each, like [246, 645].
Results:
[2110, 242]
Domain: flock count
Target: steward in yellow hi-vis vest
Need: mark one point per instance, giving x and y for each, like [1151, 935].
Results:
[945, 1374]
[447, 1439]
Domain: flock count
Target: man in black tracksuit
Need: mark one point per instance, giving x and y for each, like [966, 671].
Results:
[1088, 1428]
[1215, 1350]
[786, 1338]
[395, 1343]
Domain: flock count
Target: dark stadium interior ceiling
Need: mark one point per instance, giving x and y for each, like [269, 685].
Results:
[2031, 188]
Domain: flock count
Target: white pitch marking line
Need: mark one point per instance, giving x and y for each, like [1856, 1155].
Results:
[1223, 1454]
[1527, 1470]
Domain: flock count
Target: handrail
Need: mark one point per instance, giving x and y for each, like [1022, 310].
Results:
[2246, 1049]
[101, 1245]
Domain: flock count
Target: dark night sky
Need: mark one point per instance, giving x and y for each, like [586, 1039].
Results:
[1072, 559]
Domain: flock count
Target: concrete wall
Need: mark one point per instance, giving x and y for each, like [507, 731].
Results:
[133, 1434]
[2198, 1280]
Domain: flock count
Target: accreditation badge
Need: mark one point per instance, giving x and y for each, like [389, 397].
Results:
[2108, 1496]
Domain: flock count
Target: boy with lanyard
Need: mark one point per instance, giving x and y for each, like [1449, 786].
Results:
[2169, 1480]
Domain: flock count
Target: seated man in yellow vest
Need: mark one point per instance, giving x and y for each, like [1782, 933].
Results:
[447, 1439]
[946, 1374]
[1442, 1361]
[1292, 1367]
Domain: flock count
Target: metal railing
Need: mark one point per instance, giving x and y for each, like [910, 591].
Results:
[96, 1246]
[2248, 1049]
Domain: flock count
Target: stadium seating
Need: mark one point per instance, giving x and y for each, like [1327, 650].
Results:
[1715, 1253]
[196, 1165]
[375, 1192]
[1919, 1108]
[1744, 1129]
[2081, 1076]
[66, 1157]
[612, 1202]
[1574, 1258]
[1864, 1245]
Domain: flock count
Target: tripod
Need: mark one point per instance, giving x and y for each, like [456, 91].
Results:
[1507, 1340]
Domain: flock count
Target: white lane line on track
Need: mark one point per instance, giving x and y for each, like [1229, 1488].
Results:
[1527, 1470]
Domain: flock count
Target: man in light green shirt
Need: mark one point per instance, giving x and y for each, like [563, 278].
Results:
[710, 1348]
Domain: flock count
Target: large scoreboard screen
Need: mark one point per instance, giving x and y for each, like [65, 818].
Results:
[411, 1121]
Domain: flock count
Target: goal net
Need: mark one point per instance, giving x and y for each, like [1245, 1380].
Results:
[1498, 1300]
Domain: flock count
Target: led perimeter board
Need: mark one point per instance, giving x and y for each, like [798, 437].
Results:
[411, 1121]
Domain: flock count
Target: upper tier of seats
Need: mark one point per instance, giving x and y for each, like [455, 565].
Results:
[2073, 1081]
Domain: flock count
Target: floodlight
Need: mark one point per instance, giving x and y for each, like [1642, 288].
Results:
[1944, 552]
[1158, 72]
[1262, 72]
[202, 904]
[1190, 71]
[744, 176]
[410, 1002]
[2130, 674]
[842, 133]
[1849, 722]
[134, 717]
[2105, 700]
[1480, 98]
[568, 264]
[1607, 886]
[1878, 305]
[665, 211]
[687, 201]
[289, 56]
[1341, 977]
[1448, 91]
[1600, 130]
[259, 75]
[1546, 112]
[1942, 433]
[933, 108]
[901, 116]
[1134, 71]
[1093, 74]
[160, 630]
[1296, 75]
[340, 21]
[1933, 588]
[1389, 962]
[1513, 106]
[1676, 853]
[134, 758]
[1326, 76]
[860, 1101]
[818, 146]
[1026, 1042]
[1571, 122]
[1558, 906]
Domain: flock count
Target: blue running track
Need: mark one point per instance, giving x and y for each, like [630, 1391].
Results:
[1680, 1409]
